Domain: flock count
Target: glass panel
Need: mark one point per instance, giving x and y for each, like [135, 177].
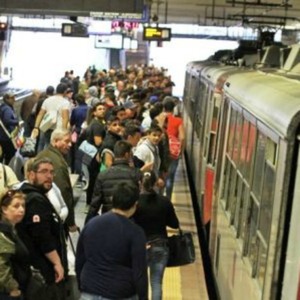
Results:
[237, 210]
[259, 165]
[237, 138]
[242, 213]
[250, 152]
[244, 142]
[262, 263]
[266, 205]
[271, 151]
[214, 123]
[231, 132]
[211, 151]
[232, 193]
[250, 230]
[230, 183]
[225, 179]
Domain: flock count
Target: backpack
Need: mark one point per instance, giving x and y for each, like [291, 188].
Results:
[174, 147]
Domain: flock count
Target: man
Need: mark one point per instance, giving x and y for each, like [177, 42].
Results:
[120, 171]
[60, 144]
[9, 127]
[59, 107]
[111, 252]
[175, 131]
[147, 152]
[132, 134]
[42, 230]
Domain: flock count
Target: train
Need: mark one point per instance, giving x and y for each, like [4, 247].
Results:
[242, 128]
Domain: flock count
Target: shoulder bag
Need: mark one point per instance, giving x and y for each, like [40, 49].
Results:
[48, 121]
[11, 136]
[89, 152]
[181, 249]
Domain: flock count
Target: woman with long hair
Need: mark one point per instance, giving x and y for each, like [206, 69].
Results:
[154, 213]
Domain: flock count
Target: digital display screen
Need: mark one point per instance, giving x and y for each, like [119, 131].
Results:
[74, 30]
[114, 41]
[157, 34]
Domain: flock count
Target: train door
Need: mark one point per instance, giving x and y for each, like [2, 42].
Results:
[247, 223]
[220, 140]
[198, 140]
[209, 157]
[189, 123]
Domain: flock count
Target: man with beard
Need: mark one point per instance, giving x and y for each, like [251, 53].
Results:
[42, 230]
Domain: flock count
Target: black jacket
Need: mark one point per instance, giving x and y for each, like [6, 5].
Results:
[120, 171]
[154, 213]
[42, 231]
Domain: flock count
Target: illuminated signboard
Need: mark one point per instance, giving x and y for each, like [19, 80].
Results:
[156, 34]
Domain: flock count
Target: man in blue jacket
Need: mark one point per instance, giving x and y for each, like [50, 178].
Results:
[111, 252]
[9, 126]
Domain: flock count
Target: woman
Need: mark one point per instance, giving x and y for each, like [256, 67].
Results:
[14, 256]
[154, 213]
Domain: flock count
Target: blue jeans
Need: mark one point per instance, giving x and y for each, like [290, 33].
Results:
[170, 177]
[157, 257]
[86, 296]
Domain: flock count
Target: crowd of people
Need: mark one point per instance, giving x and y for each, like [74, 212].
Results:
[125, 128]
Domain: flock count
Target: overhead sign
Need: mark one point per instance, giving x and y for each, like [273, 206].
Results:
[156, 34]
[74, 30]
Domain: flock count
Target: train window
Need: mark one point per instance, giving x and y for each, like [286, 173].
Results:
[250, 152]
[243, 212]
[224, 190]
[237, 137]
[271, 151]
[244, 144]
[231, 132]
[232, 193]
[250, 246]
[266, 206]
[221, 143]
[259, 163]
[235, 215]
[213, 132]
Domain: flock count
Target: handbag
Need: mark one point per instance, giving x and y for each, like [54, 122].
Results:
[89, 152]
[28, 148]
[181, 249]
[48, 121]
[37, 286]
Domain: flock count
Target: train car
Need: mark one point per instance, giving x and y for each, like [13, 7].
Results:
[245, 169]
[258, 190]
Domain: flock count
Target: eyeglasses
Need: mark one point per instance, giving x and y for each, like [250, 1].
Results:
[10, 193]
[46, 171]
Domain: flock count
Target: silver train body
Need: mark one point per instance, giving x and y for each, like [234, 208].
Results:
[243, 134]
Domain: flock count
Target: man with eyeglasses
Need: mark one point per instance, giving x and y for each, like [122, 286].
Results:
[60, 144]
[42, 230]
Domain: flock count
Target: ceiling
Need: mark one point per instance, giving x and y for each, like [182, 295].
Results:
[252, 13]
